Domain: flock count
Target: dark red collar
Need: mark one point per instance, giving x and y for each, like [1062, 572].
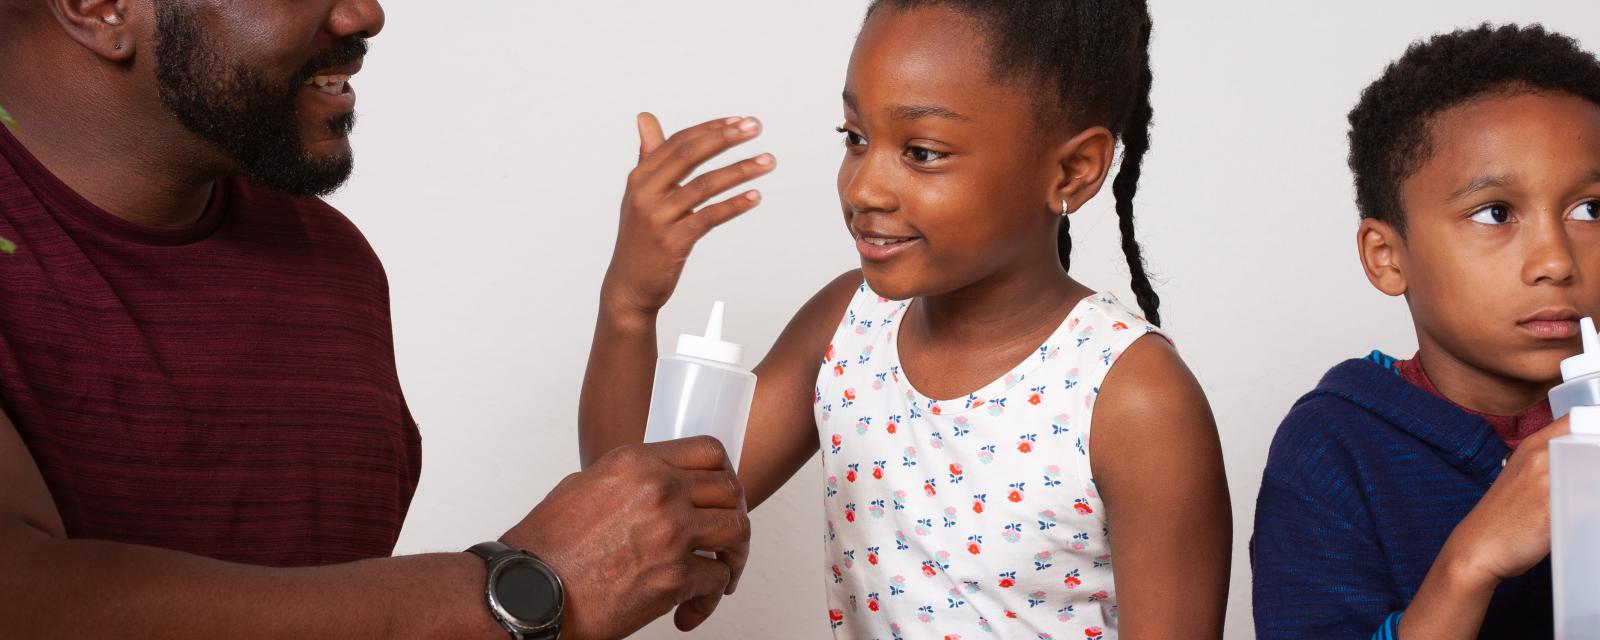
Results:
[1511, 429]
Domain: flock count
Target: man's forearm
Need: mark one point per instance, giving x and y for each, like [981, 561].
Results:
[52, 587]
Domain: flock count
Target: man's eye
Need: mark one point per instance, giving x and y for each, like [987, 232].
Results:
[1494, 214]
[1586, 211]
[851, 138]
[922, 155]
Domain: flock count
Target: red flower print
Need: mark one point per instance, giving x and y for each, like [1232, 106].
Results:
[1011, 614]
[1035, 399]
[934, 410]
[892, 427]
[977, 507]
[973, 548]
[829, 355]
[1014, 496]
[851, 476]
[1093, 633]
[1082, 508]
[877, 473]
[849, 394]
[872, 605]
[928, 489]
[837, 440]
[872, 559]
[1025, 447]
[849, 516]
[1072, 582]
[838, 369]
[976, 404]
[955, 468]
[836, 572]
[927, 570]
[835, 615]
[1007, 583]
[1119, 326]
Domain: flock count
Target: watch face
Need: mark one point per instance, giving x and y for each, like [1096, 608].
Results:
[527, 593]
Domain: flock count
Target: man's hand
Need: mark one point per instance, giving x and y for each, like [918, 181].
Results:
[622, 536]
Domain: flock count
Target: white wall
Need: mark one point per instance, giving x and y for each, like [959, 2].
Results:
[495, 137]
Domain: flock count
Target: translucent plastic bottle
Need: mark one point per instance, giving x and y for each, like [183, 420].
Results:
[1575, 494]
[702, 390]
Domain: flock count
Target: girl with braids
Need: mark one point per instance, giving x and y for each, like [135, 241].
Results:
[1007, 452]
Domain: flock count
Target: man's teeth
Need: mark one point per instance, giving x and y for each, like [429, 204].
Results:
[332, 85]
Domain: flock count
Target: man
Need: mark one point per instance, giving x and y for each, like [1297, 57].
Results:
[202, 431]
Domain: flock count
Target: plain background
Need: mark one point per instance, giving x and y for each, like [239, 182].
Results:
[495, 137]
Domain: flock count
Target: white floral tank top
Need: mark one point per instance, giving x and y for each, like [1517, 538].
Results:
[968, 518]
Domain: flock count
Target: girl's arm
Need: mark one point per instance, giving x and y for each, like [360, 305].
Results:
[1157, 462]
[658, 230]
[660, 225]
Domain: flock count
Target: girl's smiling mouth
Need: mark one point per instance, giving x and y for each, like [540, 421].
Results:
[878, 247]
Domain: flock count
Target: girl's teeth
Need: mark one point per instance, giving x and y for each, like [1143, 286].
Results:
[880, 241]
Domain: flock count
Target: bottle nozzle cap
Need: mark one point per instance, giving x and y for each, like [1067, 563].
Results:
[711, 346]
[1588, 362]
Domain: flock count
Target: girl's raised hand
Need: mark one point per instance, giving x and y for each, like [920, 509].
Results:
[663, 217]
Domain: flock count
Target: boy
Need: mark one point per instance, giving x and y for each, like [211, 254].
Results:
[1410, 497]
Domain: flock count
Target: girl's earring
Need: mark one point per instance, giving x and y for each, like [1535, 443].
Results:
[1064, 211]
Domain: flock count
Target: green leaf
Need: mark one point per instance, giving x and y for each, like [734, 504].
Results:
[7, 246]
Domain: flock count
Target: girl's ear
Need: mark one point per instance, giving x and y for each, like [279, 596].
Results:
[1083, 163]
[1383, 255]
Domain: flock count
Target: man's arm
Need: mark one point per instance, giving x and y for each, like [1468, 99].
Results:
[55, 586]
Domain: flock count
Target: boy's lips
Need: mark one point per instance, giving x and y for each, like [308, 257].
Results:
[1551, 324]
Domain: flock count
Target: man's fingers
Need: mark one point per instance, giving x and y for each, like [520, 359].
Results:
[686, 150]
[721, 531]
[736, 562]
[708, 185]
[650, 136]
[700, 453]
[714, 489]
[696, 610]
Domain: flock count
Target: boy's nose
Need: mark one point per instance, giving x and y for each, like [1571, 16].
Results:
[1550, 258]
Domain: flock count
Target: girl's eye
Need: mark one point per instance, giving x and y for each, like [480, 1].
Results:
[851, 138]
[923, 155]
[1494, 214]
[1586, 211]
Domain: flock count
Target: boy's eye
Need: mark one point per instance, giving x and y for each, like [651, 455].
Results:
[1492, 214]
[923, 155]
[1586, 211]
[851, 138]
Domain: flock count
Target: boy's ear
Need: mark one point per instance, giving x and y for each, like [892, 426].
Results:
[1383, 255]
[1084, 162]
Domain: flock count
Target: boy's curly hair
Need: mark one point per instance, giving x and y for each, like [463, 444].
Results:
[1389, 127]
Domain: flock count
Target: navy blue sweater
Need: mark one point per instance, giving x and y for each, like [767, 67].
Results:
[1365, 480]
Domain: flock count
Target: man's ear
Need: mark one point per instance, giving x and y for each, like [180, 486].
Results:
[1084, 162]
[100, 26]
[1383, 255]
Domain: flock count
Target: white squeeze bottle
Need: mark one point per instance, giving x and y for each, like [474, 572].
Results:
[702, 390]
[1575, 494]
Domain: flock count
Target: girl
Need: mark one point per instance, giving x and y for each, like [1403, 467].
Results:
[962, 370]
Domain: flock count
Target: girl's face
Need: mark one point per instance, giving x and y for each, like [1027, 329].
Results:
[946, 180]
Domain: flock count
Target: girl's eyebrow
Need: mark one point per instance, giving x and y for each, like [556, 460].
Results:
[912, 111]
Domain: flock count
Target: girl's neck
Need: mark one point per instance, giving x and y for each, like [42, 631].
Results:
[1017, 305]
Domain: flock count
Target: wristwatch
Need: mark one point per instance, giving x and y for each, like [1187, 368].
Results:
[525, 595]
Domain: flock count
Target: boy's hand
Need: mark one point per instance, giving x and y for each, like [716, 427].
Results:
[1508, 532]
[660, 221]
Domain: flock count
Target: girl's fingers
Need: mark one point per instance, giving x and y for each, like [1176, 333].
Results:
[650, 136]
[686, 150]
[703, 221]
[708, 185]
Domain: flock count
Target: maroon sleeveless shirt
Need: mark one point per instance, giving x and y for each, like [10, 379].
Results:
[226, 389]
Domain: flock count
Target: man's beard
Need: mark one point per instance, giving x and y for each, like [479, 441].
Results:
[252, 120]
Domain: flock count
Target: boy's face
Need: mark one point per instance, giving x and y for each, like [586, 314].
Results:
[1501, 253]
